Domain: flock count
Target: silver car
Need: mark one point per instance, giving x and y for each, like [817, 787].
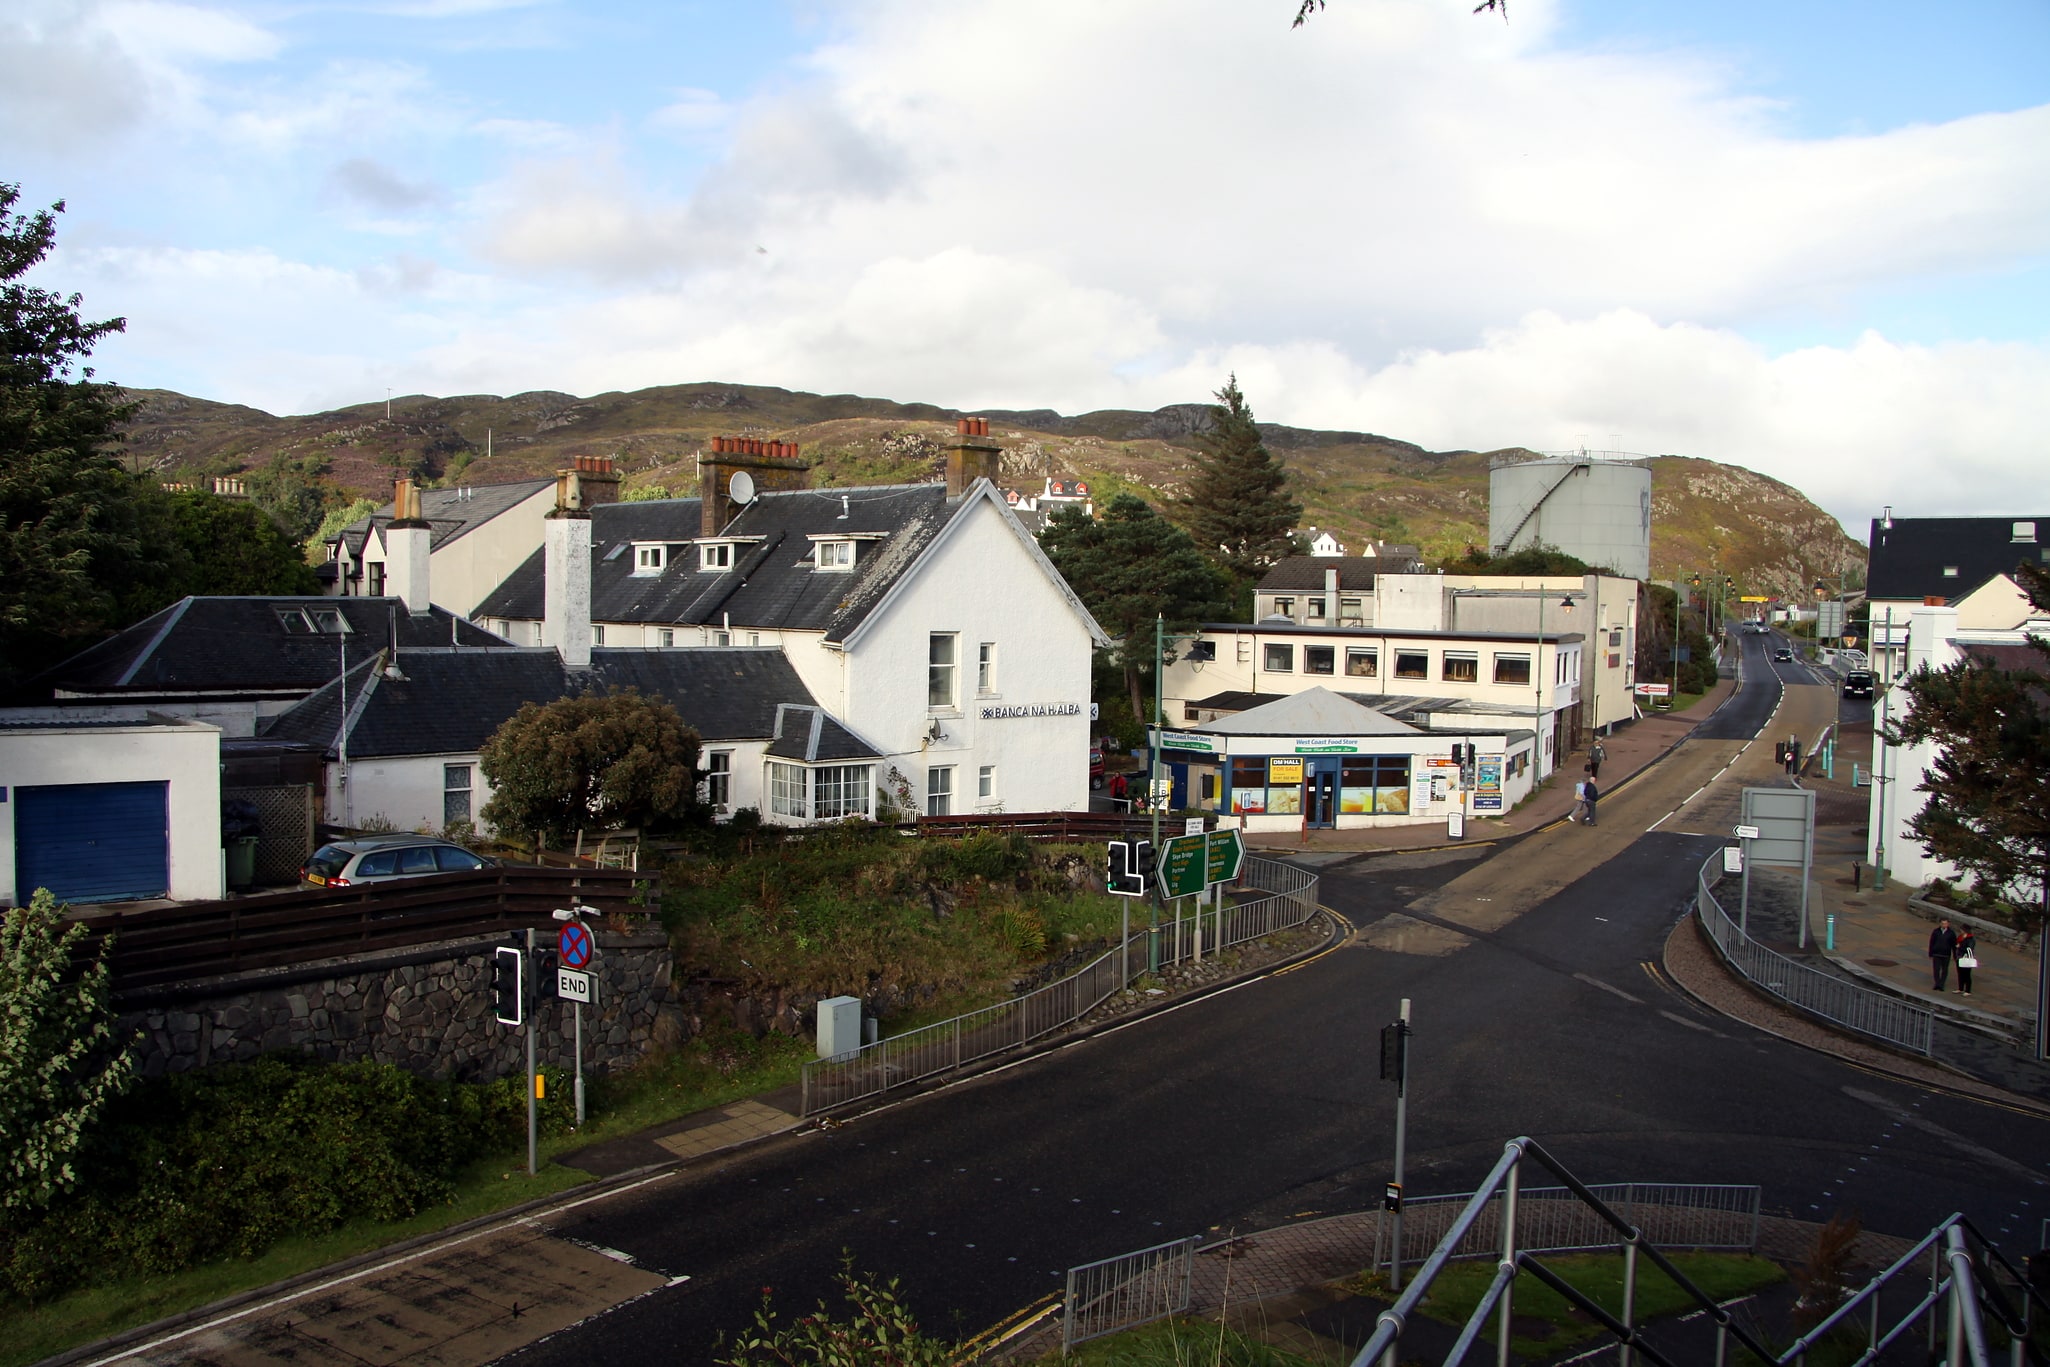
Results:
[347, 863]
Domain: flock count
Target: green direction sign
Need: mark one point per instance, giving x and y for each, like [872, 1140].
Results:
[1225, 853]
[1182, 866]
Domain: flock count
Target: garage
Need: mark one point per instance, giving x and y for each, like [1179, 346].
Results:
[93, 842]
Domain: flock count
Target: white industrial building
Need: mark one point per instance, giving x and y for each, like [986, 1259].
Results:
[1593, 505]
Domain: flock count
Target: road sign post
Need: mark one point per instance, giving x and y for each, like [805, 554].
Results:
[533, 1115]
[1395, 1068]
[576, 945]
[1745, 835]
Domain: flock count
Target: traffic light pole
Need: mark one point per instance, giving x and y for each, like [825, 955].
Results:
[533, 1116]
[1401, 1132]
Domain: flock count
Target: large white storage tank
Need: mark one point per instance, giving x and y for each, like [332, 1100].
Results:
[1594, 505]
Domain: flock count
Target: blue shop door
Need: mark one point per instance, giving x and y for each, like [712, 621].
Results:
[92, 842]
[1320, 798]
[1178, 794]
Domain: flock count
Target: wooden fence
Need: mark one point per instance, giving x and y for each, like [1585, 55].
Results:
[206, 939]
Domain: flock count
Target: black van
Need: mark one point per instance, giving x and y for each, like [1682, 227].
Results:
[1858, 684]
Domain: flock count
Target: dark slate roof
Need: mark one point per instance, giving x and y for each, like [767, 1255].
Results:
[447, 702]
[1908, 559]
[1299, 573]
[772, 584]
[239, 646]
[448, 512]
[812, 734]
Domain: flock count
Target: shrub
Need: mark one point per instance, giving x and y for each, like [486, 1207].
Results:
[224, 1161]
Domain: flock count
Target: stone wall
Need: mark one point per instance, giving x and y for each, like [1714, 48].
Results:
[426, 1009]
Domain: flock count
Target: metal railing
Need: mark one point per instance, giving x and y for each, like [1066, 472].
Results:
[1126, 1291]
[1878, 1014]
[1556, 1220]
[932, 1050]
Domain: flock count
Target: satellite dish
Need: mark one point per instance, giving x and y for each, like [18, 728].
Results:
[742, 487]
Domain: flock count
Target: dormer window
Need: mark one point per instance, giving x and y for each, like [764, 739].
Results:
[650, 559]
[2025, 532]
[715, 555]
[833, 555]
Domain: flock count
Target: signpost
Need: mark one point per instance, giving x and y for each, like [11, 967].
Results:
[577, 946]
[1184, 866]
[1395, 1068]
[1779, 832]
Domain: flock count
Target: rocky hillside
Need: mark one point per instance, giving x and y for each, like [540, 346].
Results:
[1358, 485]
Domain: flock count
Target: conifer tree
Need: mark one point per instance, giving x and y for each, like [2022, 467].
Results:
[1238, 507]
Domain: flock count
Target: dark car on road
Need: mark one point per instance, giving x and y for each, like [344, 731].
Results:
[1783, 654]
[348, 863]
[1858, 684]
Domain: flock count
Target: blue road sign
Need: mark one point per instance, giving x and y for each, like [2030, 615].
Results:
[575, 944]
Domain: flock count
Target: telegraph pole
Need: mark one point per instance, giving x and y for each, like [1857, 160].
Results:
[1395, 1068]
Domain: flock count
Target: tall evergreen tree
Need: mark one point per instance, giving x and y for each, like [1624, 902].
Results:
[1129, 568]
[84, 546]
[1986, 813]
[1238, 507]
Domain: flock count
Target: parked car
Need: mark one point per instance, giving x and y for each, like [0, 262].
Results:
[1858, 684]
[1096, 766]
[349, 863]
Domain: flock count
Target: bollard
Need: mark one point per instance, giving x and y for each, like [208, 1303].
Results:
[1830, 943]
[1857, 875]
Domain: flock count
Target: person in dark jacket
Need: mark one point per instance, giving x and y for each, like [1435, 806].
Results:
[1592, 795]
[1967, 951]
[1942, 946]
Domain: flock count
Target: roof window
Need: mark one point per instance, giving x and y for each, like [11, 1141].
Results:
[317, 622]
[1950, 571]
[2025, 532]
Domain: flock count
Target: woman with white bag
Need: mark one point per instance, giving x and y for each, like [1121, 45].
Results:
[1967, 959]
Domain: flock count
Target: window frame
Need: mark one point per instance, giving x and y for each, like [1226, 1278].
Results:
[939, 790]
[1469, 659]
[1330, 660]
[986, 783]
[1502, 658]
[715, 556]
[717, 779]
[943, 677]
[450, 787]
[986, 669]
[650, 557]
[833, 557]
[1370, 654]
[1281, 650]
[1420, 671]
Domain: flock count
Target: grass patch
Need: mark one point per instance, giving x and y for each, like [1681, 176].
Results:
[1547, 1323]
[1180, 1343]
[29, 1334]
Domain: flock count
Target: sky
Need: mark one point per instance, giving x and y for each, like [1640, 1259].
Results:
[1810, 239]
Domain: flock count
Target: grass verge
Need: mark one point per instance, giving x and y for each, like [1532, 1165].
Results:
[1180, 1343]
[713, 1071]
[1547, 1323]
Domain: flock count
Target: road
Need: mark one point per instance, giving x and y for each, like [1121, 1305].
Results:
[1263, 1104]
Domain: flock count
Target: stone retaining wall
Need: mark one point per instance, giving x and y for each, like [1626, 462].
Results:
[426, 1009]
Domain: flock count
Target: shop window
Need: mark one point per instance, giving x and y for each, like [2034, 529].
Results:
[1512, 669]
[1320, 660]
[1248, 784]
[1462, 666]
[1285, 784]
[1370, 784]
[1362, 664]
[1280, 659]
[1412, 664]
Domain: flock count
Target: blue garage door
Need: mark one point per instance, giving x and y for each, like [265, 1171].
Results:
[92, 842]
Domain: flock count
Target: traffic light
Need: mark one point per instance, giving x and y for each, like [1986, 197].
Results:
[1122, 877]
[1148, 865]
[1395, 1053]
[508, 986]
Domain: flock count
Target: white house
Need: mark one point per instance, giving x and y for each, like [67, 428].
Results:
[1963, 562]
[110, 812]
[1932, 637]
[475, 533]
[923, 617]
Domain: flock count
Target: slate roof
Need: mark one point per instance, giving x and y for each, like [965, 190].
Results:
[812, 734]
[1907, 560]
[771, 585]
[448, 512]
[448, 702]
[1312, 712]
[1305, 573]
[237, 646]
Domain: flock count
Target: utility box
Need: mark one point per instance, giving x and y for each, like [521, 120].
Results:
[839, 1026]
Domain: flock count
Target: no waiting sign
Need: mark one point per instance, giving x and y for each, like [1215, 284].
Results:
[575, 944]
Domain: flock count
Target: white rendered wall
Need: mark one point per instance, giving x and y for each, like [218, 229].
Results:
[566, 589]
[188, 757]
[1898, 771]
[470, 568]
[981, 584]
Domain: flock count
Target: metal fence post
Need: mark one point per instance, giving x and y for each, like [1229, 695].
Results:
[1508, 1306]
[1623, 1354]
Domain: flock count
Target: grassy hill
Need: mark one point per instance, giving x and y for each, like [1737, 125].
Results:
[1356, 484]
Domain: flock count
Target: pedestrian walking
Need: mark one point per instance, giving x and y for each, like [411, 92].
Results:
[1942, 949]
[1595, 755]
[1967, 959]
[1579, 801]
[1119, 788]
[1591, 795]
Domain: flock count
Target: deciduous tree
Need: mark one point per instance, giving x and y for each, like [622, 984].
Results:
[60, 1064]
[593, 762]
[1238, 507]
[1128, 568]
[231, 546]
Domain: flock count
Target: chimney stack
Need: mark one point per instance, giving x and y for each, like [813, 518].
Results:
[406, 549]
[597, 478]
[771, 464]
[973, 456]
[566, 575]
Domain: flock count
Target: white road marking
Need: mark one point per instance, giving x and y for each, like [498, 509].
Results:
[1616, 991]
[1691, 1025]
